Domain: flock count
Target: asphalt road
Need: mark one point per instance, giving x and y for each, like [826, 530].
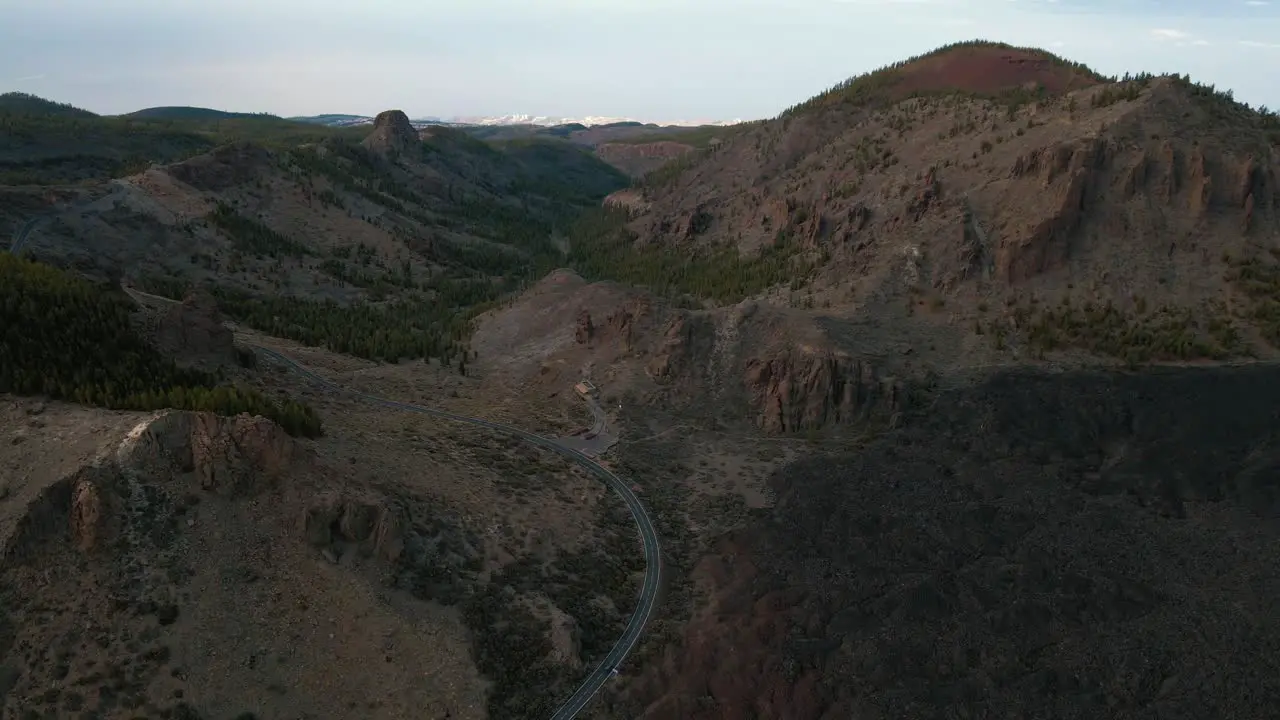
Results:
[596, 440]
[20, 237]
[106, 201]
[648, 534]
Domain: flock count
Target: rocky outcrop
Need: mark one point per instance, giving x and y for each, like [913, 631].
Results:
[371, 524]
[236, 455]
[674, 351]
[629, 199]
[193, 332]
[230, 457]
[81, 507]
[91, 513]
[1066, 172]
[1199, 183]
[1254, 191]
[392, 135]
[801, 389]
[223, 168]
[583, 329]
[618, 329]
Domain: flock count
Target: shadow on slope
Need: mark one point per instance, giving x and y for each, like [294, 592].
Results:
[1069, 546]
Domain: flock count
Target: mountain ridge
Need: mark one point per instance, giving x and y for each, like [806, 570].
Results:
[513, 119]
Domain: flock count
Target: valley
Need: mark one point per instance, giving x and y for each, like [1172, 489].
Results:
[945, 393]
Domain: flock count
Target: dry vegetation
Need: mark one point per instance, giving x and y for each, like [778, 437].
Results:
[825, 283]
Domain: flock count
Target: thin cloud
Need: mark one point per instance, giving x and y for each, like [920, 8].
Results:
[1178, 38]
[1256, 44]
[29, 77]
[1257, 3]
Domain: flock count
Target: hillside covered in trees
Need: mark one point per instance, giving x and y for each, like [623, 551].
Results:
[69, 339]
[44, 142]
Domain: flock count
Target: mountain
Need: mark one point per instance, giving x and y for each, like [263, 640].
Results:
[950, 392]
[135, 320]
[436, 221]
[963, 358]
[980, 206]
[192, 113]
[504, 120]
[50, 143]
[633, 147]
[1006, 216]
[17, 103]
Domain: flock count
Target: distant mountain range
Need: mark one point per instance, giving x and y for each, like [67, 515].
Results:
[341, 120]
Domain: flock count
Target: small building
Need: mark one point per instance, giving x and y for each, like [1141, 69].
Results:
[585, 388]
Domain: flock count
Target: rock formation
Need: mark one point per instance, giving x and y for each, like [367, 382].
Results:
[798, 390]
[392, 134]
[231, 457]
[225, 167]
[367, 522]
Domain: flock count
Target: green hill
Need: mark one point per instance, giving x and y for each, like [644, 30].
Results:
[26, 104]
[178, 112]
[70, 339]
[43, 142]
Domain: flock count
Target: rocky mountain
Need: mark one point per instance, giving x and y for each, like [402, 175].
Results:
[949, 391]
[392, 134]
[1021, 318]
[982, 205]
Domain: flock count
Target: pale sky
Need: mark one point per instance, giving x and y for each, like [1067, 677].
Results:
[646, 59]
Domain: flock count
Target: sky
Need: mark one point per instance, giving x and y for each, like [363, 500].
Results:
[653, 60]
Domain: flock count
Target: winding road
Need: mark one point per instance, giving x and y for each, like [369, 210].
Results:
[594, 681]
[111, 199]
[20, 236]
[648, 534]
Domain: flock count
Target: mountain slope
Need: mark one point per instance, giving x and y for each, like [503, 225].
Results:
[859, 287]
[383, 248]
[1129, 220]
[43, 143]
[16, 103]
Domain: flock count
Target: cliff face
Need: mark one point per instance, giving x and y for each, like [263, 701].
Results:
[232, 457]
[392, 134]
[796, 390]
[743, 361]
[1091, 180]
[1113, 188]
